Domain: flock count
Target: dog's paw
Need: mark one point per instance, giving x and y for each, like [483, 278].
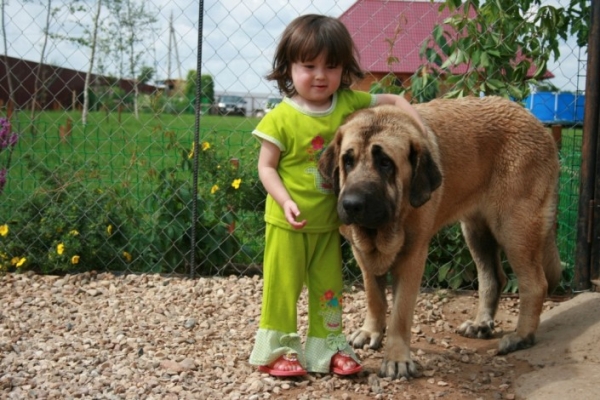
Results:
[513, 342]
[398, 369]
[483, 330]
[362, 337]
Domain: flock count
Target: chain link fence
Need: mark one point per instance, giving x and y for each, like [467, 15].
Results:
[112, 188]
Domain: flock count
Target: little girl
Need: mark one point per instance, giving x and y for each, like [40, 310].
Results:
[315, 64]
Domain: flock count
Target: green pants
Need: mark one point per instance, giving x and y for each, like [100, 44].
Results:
[293, 259]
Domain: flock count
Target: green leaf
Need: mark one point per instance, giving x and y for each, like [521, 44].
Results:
[455, 281]
[484, 61]
[438, 33]
[515, 92]
[443, 271]
[451, 60]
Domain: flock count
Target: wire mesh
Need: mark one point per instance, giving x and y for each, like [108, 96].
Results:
[113, 188]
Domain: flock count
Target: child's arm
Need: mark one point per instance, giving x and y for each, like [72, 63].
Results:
[268, 160]
[401, 102]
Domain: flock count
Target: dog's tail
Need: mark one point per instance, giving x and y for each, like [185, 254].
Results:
[552, 264]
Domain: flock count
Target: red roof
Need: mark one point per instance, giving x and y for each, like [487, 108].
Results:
[372, 23]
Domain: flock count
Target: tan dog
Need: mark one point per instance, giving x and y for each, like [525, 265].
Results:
[486, 162]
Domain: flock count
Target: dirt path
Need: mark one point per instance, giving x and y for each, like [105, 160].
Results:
[149, 337]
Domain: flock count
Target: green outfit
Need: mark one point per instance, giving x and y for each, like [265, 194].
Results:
[312, 255]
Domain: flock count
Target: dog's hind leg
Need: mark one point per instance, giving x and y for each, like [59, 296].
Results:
[485, 251]
[524, 248]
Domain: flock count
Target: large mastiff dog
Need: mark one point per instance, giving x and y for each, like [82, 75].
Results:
[485, 162]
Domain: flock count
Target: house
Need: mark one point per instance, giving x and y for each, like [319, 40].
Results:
[376, 24]
[60, 88]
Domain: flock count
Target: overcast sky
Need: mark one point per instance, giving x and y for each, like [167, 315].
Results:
[239, 38]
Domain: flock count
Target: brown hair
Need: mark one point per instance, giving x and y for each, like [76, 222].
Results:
[304, 39]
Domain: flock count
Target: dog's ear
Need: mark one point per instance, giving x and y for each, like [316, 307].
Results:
[328, 166]
[426, 176]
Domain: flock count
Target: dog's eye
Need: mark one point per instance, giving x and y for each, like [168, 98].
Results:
[348, 162]
[382, 161]
[386, 164]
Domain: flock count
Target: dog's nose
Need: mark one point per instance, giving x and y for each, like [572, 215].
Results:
[353, 204]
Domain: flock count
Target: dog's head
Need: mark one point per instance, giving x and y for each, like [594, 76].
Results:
[379, 162]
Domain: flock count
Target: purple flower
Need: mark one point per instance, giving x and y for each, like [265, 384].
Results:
[12, 141]
[2, 179]
[4, 133]
[6, 139]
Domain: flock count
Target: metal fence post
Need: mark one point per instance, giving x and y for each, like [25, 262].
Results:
[196, 142]
[587, 249]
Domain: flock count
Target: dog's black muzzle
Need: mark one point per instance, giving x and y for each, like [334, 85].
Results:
[365, 206]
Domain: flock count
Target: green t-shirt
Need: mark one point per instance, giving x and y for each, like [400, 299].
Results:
[302, 135]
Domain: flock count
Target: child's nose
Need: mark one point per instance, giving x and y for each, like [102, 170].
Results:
[320, 72]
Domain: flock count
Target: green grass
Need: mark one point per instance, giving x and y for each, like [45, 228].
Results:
[568, 202]
[110, 150]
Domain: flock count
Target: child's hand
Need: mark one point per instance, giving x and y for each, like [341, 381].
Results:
[291, 213]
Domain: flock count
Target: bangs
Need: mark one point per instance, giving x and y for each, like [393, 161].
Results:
[307, 47]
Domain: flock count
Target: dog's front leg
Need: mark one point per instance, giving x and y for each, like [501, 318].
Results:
[373, 328]
[406, 273]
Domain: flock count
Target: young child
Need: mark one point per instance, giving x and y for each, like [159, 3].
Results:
[315, 64]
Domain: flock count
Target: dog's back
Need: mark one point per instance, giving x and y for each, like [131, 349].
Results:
[490, 147]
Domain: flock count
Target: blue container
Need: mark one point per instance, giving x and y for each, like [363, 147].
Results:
[556, 108]
[579, 107]
[542, 105]
[565, 107]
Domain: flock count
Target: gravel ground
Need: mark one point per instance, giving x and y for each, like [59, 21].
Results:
[101, 336]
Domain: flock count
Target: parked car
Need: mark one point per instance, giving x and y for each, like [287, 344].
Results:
[269, 105]
[231, 105]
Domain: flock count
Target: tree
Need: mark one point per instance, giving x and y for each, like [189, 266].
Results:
[496, 42]
[93, 45]
[146, 74]
[132, 27]
[207, 86]
[80, 9]
[9, 76]
[39, 79]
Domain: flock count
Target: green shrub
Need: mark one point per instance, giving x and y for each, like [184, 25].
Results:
[65, 227]
[449, 263]
[164, 233]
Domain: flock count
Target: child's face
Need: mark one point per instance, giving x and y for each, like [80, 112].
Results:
[315, 82]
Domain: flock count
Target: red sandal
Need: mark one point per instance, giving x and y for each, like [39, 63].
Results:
[281, 366]
[340, 360]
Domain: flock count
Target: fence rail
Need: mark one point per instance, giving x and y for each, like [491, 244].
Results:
[113, 189]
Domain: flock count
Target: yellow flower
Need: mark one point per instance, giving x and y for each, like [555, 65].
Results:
[75, 260]
[205, 146]
[60, 248]
[3, 230]
[14, 261]
[127, 256]
[236, 183]
[214, 189]
[109, 229]
[191, 154]
[74, 233]
[22, 261]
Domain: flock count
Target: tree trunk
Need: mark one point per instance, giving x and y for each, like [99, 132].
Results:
[11, 90]
[86, 87]
[39, 79]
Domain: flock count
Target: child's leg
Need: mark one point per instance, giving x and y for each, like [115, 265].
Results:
[283, 279]
[325, 285]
